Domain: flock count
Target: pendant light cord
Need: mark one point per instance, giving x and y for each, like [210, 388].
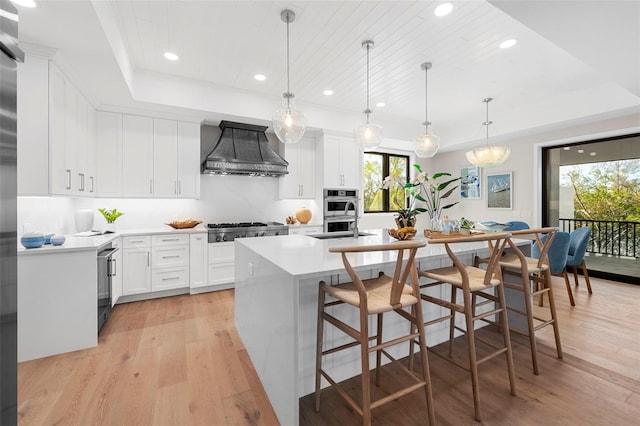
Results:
[486, 123]
[426, 103]
[368, 110]
[288, 88]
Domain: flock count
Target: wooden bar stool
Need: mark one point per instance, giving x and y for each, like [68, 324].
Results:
[375, 296]
[475, 283]
[535, 280]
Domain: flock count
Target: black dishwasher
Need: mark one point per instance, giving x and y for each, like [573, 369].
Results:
[106, 270]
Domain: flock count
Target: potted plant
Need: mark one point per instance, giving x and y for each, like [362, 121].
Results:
[466, 225]
[110, 216]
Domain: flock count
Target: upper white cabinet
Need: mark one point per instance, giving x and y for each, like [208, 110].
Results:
[301, 180]
[341, 162]
[56, 133]
[137, 156]
[188, 160]
[165, 148]
[33, 126]
[109, 154]
[147, 157]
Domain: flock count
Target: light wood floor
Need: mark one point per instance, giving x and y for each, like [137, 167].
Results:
[179, 361]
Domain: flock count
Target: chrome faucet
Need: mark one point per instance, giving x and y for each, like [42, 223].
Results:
[356, 233]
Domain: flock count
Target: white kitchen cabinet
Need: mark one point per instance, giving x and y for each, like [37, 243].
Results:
[341, 160]
[33, 126]
[165, 149]
[169, 262]
[137, 156]
[221, 271]
[109, 154]
[85, 147]
[188, 160]
[60, 171]
[136, 265]
[116, 278]
[198, 260]
[301, 180]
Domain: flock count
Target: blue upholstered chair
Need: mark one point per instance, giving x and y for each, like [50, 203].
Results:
[577, 249]
[515, 225]
[557, 258]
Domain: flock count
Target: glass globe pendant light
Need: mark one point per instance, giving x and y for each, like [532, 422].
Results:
[368, 135]
[289, 123]
[488, 156]
[428, 143]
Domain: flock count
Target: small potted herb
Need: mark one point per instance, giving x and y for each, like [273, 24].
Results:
[110, 216]
[466, 225]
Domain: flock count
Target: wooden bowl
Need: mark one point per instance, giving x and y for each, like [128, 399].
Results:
[402, 235]
[184, 223]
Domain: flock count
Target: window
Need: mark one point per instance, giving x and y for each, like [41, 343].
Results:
[378, 165]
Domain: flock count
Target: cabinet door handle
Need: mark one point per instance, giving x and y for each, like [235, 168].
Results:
[113, 269]
[170, 257]
[81, 182]
[137, 241]
[170, 278]
[175, 187]
[148, 259]
[171, 239]
[179, 187]
[151, 186]
[68, 178]
[91, 177]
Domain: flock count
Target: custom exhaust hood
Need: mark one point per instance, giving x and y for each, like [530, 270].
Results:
[243, 149]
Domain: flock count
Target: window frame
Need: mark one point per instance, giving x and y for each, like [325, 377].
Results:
[385, 172]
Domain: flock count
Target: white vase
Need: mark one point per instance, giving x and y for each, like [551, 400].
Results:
[84, 220]
[110, 227]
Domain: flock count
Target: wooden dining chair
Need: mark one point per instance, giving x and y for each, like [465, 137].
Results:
[375, 297]
[477, 286]
[533, 279]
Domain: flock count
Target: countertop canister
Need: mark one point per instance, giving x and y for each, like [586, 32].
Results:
[84, 220]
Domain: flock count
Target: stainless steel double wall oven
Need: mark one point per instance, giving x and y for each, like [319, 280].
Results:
[340, 209]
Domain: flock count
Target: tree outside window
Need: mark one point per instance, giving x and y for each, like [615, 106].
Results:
[377, 165]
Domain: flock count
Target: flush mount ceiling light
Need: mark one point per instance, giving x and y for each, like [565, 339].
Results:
[381, 104]
[260, 77]
[508, 43]
[444, 9]
[288, 123]
[25, 3]
[328, 92]
[171, 56]
[488, 156]
[368, 134]
[427, 144]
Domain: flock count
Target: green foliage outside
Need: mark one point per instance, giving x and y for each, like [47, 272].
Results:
[372, 184]
[606, 191]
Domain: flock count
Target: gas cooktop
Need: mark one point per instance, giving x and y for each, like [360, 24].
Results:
[221, 232]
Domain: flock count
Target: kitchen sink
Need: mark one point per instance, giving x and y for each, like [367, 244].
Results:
[332, 235]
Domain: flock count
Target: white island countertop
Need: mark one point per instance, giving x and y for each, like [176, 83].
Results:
[304, 255]
[76, 243]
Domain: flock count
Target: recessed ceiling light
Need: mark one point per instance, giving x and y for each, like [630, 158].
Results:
[260, 77]
[444, 9]
[581, 151]
[380, 104]
[171, 56]
[593, 154]
[567, 148]
[25, 3]
[328, 92]
[508, 43]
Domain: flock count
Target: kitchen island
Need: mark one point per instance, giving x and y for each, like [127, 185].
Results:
[276, 293]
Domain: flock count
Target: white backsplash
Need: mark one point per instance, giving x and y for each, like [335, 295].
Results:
[223, 199]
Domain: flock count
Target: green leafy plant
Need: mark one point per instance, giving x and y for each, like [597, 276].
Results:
[110, 215]
[425, 188]
[466, 224]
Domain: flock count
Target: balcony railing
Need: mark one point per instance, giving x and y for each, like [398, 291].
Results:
[608, 236]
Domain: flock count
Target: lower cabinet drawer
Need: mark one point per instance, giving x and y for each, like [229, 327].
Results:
[169, 278]
[221, 273]
[165, 257]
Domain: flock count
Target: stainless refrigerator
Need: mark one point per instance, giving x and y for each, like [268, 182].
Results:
[9, 55]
